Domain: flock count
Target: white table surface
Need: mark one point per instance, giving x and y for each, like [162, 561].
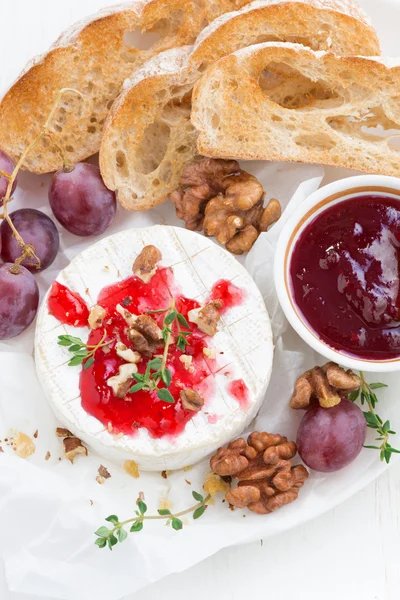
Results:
[350, 553]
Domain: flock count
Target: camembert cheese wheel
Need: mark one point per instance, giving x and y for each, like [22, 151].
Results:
[131, 397]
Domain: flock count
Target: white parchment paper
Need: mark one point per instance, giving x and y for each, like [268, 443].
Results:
[50, 509]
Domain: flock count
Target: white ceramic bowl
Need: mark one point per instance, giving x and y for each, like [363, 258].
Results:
[315, 204]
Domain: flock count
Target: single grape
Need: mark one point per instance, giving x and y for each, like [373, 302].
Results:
[7, 165]
[19, 300]
[80, 201]
[329, 439]
[35, 228]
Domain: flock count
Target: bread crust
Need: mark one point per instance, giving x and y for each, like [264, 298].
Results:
[336, 26]
[325, 110]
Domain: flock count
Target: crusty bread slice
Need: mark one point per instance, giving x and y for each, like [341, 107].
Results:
[132, 133]
[285, 102]
[93, 57]
[148, 136]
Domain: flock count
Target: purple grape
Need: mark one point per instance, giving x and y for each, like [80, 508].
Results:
[35, 228]
[80, 201]
[329, 439]
[7, 165]
[19, 300]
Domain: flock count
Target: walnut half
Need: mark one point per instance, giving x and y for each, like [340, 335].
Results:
[266, 478]
[326, 384]
[191, 400]
[145, 265]
[226, 202]
[207, 317]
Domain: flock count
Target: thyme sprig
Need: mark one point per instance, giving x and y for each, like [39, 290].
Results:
[156, 369]
[367, 396]
[82, 353]
[176, 317]
[107, 536]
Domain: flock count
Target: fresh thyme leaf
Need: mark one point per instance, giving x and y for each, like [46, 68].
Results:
[166, 376]
[67, 340]
[112, 540]
[377, 386]
[182, 320]
[82, 352]
[176, 524]
[121, 535]
[182, 343]
[164, 512]
[170, 318]
[113, 519]
[354, 395]
[101, 542]
[137, 526]
[197, 496]
[138, 376]
[154, 364]
[142, 507]
[136, 388]
[75, 348]
[103, 532]
[165, 396]
[166, 331]
[75, 361]
[199, 512]
[371, 420]
[157, 312]
[88, 363]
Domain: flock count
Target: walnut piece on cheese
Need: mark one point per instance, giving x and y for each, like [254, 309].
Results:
[121, 383]
[191, 400]
[130, 356]
[130, 318]
[207, 317]
[145, 335]
[145, 265]
[96, 317]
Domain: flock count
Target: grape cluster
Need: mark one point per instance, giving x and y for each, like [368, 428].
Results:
[80, 202]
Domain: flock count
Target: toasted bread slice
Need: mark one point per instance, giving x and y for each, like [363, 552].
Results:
[130, 130]
[148, 140]
[286, 102]
[93, 57]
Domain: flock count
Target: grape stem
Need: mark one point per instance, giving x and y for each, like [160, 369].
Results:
[28, 250]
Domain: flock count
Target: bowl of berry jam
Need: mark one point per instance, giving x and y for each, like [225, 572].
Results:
[337, 269]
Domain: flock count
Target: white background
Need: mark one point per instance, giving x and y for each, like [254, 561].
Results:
[352, 552]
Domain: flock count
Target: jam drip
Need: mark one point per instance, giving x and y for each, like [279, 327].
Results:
[345, 276]
[67, 306]
[144, 408]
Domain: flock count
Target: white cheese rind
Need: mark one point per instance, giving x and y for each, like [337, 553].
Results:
[244, 337]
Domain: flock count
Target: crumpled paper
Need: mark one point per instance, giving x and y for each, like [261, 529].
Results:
[50, 509]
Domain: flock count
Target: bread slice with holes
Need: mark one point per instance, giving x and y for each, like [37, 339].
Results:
[94, 57]
[285, 102]
[148, 139]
